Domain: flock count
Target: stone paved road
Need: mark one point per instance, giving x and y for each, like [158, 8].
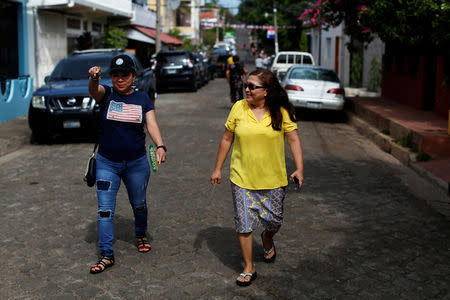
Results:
[359, 229]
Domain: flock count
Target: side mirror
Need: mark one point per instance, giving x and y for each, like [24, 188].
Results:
[46, 79]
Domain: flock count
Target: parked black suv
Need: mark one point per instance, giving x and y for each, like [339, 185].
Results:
[177, 69]
[63, 104]
[218, 63]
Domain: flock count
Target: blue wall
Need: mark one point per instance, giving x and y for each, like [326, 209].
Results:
[16, 98]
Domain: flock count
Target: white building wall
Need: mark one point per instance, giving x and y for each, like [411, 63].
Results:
[51, 42]
[324, 47]
[374, 49]
[195, 18]
[50, 37]
[344, 63]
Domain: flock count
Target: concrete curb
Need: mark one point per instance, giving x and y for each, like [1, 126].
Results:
[387, 144]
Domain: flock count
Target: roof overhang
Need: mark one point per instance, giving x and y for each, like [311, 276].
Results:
[134, 34]
[165, 38]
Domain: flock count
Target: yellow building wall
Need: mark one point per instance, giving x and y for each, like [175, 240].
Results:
[168, 18]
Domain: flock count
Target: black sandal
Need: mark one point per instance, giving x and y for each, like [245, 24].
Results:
[252, 276]
[267, 252]
[102, 264]
[143, 245]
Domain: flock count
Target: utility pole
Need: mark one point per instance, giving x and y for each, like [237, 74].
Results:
[158, 26]
[276, 29]
[217, 33]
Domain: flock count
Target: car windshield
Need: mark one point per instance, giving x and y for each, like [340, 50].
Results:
[175, 58]
[77, 67]
[313, 74]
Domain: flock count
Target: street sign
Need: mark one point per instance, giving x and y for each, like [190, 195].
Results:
[228, 34]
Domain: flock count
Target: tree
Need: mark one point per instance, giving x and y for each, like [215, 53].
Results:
[408, 23]
[209, 37]
[85, 41]
[260, 12]
[188, 43]
[303, 44]
[115, 38]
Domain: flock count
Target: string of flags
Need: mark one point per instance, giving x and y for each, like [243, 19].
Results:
[247, 26]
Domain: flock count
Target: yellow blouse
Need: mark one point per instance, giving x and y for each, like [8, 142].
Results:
[258, 159]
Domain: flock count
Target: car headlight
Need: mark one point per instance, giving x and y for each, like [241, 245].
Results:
[38, 102]
[86, 102]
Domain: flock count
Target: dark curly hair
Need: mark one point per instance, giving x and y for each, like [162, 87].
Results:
[276, 98]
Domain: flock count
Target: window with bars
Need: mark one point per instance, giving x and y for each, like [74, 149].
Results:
[73, 23]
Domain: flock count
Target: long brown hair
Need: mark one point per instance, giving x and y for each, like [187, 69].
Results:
[276, 98]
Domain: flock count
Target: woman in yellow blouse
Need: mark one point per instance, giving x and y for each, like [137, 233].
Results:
[257, 126]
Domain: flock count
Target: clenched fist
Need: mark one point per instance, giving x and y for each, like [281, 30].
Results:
[95, 73]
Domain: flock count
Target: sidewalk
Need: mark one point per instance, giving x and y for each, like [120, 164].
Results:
[390, 124]
[14, 134]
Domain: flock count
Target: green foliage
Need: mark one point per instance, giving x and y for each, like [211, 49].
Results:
[424, 24]
[375, 75]
[188, 43]
[385, 131]
[303, 44]
[356, 70]
[260, 12]
[422, 156]
[85, 41]
[114, 37]
[209, 37]
[405, 141]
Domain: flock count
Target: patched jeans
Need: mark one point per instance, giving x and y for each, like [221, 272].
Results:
[135, 175]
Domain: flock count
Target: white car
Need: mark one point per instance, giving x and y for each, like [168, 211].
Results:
[285, 59]
[222, 45]
[314, 87]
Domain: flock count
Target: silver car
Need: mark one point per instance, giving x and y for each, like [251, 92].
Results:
[314, 87]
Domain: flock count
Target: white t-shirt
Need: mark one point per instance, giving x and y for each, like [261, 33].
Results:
[259, 62]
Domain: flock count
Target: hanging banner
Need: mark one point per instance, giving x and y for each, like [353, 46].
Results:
[247, 26]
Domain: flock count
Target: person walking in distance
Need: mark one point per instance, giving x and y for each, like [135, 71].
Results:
[256, 128]
[122, 155]
[235, 73]
[259, 62]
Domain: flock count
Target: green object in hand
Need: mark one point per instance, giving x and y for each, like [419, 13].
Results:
[153, 158]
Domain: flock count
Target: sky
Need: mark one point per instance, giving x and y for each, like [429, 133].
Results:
[232, 4]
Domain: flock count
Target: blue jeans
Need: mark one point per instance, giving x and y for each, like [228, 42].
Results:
[135, 175]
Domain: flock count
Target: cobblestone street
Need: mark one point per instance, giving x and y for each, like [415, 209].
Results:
[359, 228]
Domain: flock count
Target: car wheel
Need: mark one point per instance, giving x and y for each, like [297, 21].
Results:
[194, 86]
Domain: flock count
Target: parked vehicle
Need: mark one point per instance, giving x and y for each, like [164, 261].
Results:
[285, 59]
[218, 63]
[222, 46]
[177, 69]
[64, 105]
[314, 87]
[203, 63]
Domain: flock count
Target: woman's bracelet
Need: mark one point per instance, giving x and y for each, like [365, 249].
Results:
[94, 78]
[162, 146]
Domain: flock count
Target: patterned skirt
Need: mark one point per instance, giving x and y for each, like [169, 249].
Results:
[253, 208]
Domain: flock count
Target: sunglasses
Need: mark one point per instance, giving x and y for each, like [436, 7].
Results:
[252, 87]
